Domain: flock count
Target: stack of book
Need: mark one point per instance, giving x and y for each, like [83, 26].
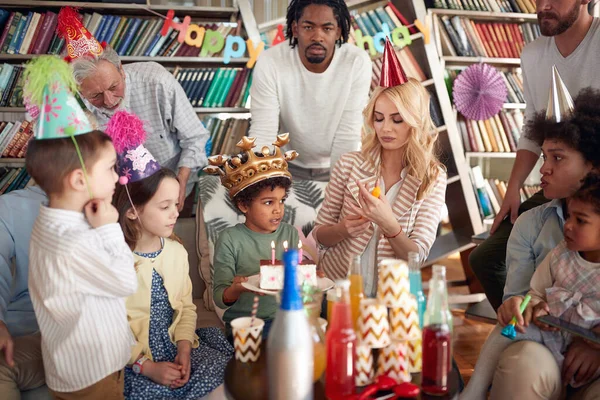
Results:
[14, 138]
[512, 79]
[511, 6]
[461, 36]
[11, 85]
[215, 87]
[490, 193]
[224, 134]
[498, 134]
[34, 33]
[14, 179]
[371, 22]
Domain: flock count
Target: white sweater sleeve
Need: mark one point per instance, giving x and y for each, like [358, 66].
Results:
[347, 135]
[264, 105]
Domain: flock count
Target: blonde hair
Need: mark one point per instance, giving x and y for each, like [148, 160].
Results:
[420, 158]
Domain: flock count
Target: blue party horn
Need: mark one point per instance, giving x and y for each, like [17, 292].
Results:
[509, 330]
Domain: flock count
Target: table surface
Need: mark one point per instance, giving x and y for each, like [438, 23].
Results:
[248, 381]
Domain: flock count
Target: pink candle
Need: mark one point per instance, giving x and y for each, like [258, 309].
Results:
[300, 252]
[272, 252]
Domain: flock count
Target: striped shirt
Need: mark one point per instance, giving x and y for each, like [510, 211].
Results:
[176, 137]
[78, 280]
[419, 219]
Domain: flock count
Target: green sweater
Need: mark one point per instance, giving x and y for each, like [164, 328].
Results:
[238, 252]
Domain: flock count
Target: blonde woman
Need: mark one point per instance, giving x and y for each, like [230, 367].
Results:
[398, 141]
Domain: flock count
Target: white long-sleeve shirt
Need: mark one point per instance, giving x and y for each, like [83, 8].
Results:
[322, 112]
[78, 280]
[579, 70]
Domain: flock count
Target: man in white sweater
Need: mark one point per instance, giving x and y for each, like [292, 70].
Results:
[571, 41]
[315, 88]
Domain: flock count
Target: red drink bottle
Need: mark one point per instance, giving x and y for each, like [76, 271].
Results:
[437, 336]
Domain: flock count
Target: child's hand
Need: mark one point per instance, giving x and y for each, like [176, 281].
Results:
[510, 309]
[183, 359]
[539, 310]
[321, 273]
[163, 373]
[99, 212]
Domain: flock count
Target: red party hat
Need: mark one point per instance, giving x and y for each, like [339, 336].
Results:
[392, 73]
[79, 40]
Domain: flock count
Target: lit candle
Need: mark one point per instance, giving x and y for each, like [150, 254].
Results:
[300, 252]
[272, 252]
[285, 245]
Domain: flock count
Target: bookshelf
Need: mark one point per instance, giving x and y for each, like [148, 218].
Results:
[227, 20]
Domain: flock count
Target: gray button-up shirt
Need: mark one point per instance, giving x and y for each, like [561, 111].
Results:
[175, 135]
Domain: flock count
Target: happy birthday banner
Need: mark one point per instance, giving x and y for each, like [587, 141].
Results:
[211, 41]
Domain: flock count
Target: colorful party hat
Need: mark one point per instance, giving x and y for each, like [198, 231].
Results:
[79, 40]
[49, 87]
[560, 103]
[392, 73]
[134, 161]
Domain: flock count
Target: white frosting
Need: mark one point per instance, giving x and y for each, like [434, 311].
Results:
[271, 276]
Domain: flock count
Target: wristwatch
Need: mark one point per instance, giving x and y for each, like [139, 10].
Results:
[138, 366]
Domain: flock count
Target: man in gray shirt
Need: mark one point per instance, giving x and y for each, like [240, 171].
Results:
[176, 137]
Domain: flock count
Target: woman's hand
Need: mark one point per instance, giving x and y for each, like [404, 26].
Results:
[352, 226]
[376, 210]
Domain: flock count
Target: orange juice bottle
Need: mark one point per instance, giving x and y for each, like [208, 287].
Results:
[313, 310]
[356, 290]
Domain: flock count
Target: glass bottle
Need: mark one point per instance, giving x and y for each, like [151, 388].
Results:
[341, 346]
[416, 285]
[313, 309]
[356, 290]
[437, 336]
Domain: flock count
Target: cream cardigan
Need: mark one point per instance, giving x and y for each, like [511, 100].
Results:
[172, 265]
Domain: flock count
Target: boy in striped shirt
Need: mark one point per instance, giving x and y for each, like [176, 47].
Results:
[81, 269]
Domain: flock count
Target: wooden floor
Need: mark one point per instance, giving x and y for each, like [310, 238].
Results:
[469, 335]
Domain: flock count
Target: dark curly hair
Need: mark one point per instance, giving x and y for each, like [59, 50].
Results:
[246, 196]
[590, 191]
[340, 11]
[580, 131]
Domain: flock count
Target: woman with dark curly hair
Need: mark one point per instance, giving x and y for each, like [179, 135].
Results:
[526, 369]
[314, 86]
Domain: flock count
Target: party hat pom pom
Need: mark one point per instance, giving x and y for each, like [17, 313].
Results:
[126, 131]
[45, 71]
[123, 180]
[68, 18]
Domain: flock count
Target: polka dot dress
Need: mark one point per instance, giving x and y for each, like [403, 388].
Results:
[208, 360]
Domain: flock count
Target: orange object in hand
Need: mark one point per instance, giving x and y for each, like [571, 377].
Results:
[376, 191]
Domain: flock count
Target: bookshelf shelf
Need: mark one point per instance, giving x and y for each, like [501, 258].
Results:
[447, 244]
[514, 106]
[12, 109]
[12, 162]
[193, 11]
[160, 60]
[470, 155]
[487, 15]
[453, 179]
[441, 128]
[456, 60]
[428, 82]
[217, 110]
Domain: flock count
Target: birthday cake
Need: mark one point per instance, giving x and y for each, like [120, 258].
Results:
[271, 275]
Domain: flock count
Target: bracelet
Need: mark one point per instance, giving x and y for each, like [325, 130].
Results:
[393, 236]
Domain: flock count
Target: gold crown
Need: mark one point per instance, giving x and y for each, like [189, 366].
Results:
[237, 174]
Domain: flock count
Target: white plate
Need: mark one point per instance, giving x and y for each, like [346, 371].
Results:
[253, 284]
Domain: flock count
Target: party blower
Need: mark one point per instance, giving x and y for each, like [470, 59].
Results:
[509, 330]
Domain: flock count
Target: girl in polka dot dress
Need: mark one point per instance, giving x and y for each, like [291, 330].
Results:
[170, 359]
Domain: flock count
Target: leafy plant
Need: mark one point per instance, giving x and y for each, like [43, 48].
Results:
[308, 193]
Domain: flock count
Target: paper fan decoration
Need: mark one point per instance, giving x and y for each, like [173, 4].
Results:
[479, 92]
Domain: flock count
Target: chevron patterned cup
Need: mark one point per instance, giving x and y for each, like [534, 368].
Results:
[393, 286]
[393, 361]
[415, 355]
[363, 366]
[247, 339]
[404, 320]
[373, 325]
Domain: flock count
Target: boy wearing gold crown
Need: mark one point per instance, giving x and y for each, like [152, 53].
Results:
[81, 269]
[258, 184]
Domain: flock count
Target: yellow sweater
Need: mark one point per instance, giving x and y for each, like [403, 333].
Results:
[172, 265]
